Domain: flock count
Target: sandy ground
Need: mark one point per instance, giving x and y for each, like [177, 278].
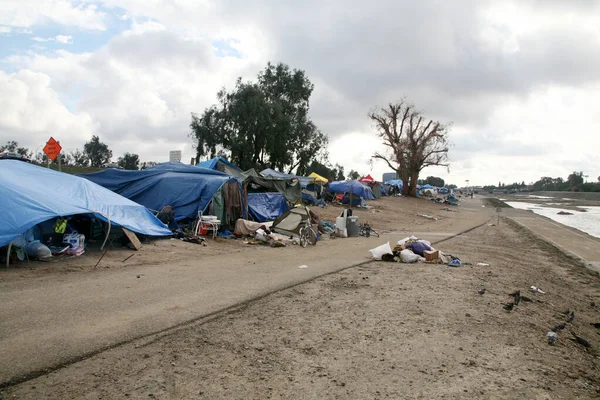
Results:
[380, 330]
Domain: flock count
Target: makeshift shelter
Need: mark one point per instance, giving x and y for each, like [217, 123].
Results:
[318, 178]
[304, 180]
[187, 188]
[443, 190]
[291, 222]
[373, 184]
[266, 206]
[394, 186]
[32, 195]
[222, 165]
[353, 186]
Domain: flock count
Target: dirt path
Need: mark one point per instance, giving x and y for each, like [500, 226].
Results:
[55, 313]
[383, 330]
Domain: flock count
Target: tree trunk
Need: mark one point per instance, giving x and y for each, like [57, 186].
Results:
[414, 177]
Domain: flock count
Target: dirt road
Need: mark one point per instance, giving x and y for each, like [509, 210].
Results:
[381, 330]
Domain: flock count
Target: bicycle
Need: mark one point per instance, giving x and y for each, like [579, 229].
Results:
[366, 230]
[307, 234]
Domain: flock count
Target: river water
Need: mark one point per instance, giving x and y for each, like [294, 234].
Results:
[586, 218]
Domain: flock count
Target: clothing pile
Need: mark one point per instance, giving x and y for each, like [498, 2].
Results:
[411, 250]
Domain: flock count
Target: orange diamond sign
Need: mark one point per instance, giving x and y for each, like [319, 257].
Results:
[52, 149]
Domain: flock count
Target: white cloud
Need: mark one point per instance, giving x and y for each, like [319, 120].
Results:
[32, 112]
[4, 30]
[64, 39]
[41, 39]
[27, 13]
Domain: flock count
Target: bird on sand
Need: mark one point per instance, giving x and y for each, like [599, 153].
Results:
[581, 340]
[559, 327]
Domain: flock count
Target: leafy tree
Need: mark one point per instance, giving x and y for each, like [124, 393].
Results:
[353, 174]
[435, 181]
[13, 147]
[413, 142]
[326, 171]
[262, 124]
[148, 164]
[79, 158]
[575, 179]
[97, 152]
[129, 161]
[451, 186]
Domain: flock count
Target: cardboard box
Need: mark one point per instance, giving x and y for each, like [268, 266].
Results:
[432, 255]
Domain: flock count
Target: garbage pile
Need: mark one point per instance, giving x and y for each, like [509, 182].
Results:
[412, 250]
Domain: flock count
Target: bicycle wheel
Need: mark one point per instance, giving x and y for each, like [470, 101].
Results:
[311, 236]
[303, 238]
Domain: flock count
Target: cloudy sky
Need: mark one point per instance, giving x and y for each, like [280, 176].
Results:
[518, 80]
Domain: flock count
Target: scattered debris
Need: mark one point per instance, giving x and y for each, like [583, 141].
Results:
[428, 217]
[508, 306]
[483, 264]
[571, 317]
[552, 337]
[567, 311]
[303, 266]
[536, 289]
[527, 299]
[481, 291]
[595, 325]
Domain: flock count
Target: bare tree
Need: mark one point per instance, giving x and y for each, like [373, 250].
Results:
[413, 142]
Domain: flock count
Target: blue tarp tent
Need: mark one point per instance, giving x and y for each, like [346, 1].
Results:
[304, 180]
[355, 186]
[395, 182]
[32, 194]
[443, 190]
[187, 188]
[427, 186]
[222, 165]
[266, 206]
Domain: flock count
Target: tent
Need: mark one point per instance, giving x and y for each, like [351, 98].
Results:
[443, 190]
[32, 194]
[355, 187]
[318, 178]
[266, 206]
[187, 188]
[304, 180]
[222, 165]
[291, 222]
[367, 179]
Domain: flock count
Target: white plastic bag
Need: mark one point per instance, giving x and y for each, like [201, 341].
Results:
[408, 256]
[379, 251]
[36, 249]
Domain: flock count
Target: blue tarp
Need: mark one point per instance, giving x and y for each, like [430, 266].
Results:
[212, 163]
[427, 186]
[309, 199]
[266, 206]
[357, 188]
[187, 188]
[443, 190]
[304, 180]
[32, 194]
[395, 182]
